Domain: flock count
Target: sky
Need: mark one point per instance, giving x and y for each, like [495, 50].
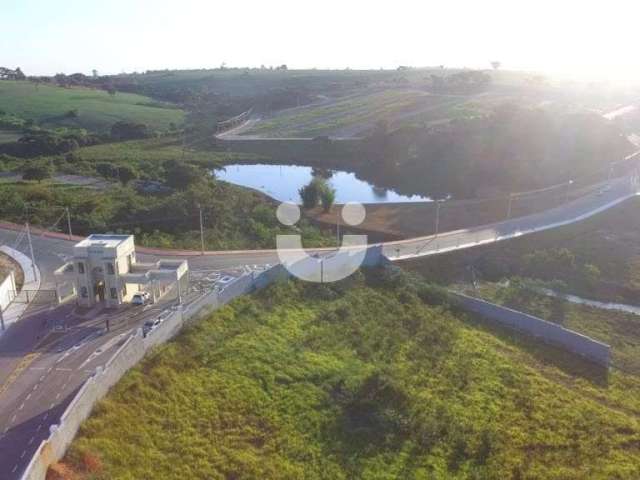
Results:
[593, 40]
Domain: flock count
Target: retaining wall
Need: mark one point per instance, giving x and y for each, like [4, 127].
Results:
[7, 291]
[575, 342]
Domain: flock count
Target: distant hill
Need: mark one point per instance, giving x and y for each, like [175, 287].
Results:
[94, 110]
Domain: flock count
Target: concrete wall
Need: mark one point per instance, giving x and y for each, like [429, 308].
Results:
[553, 333]
[7, 291]
[127, 356]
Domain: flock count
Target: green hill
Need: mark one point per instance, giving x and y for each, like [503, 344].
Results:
[50, 106]
[362, 379]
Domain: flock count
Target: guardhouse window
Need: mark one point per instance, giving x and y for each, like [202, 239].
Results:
[114, 292]
[83, 291]
[81, 268]
[110, 269]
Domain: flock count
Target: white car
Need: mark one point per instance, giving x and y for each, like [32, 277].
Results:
[141, 298]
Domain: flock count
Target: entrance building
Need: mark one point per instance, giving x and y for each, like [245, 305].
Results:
[104, 270]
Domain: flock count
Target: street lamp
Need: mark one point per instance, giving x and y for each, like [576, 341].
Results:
[569, 183]
[438, 202]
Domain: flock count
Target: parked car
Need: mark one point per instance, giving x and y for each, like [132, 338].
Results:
[141, 298]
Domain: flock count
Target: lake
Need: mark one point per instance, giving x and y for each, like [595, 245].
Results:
[283, 181]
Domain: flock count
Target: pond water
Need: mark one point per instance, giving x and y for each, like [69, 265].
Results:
[283, 181]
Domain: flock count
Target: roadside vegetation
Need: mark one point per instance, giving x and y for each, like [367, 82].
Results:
[373, 377]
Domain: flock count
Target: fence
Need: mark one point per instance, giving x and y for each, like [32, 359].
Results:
[128, 355]
[550, 332]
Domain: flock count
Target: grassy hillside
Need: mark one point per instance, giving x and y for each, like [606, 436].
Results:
[359, 380]
[7, 136]
[356, 114]
[48, 106]
[147, 155]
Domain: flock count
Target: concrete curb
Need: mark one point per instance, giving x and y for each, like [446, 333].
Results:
[31, 282]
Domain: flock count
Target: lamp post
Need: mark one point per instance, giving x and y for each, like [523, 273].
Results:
[509, 207]
[569, 183]
[438, 216]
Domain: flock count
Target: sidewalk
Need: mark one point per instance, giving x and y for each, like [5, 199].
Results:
[31, 282]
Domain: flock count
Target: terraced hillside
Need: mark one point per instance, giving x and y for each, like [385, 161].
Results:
[95, 110]
[369, 378]
[357, 114]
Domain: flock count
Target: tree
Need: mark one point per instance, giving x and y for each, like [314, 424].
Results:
[106, 169]
[496, 65]
[129, 131]
[126, 174]
[327, 197]
[37, 172]
[181, 175]
[19, 75]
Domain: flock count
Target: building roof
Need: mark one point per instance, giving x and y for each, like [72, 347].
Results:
[108, 241]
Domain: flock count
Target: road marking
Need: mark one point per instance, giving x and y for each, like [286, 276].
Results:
[24, 452]
[39, 427]
[37, 368]
[21, 406]
[21, 367]
[57, 396]
[45, 416]
[51, 406]
[28, 397]
[6, 429]
[31, 440]
[42, 378]
[14, 468]
[60, 369]
[13, 419]
[35, 387]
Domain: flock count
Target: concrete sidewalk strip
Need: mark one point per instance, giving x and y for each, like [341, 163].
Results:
[31, 282]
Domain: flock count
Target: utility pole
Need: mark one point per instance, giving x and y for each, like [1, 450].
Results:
[69, 223]
[337, 228]
[33, 260]
[509, 207]
[437, 217]
[201, 231]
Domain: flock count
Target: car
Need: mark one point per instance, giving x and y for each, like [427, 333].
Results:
[150, 325]
[141, 298]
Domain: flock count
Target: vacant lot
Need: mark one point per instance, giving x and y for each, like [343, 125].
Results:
[359, 380]
[95, 110]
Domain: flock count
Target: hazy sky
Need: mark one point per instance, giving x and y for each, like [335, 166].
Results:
[596, 39]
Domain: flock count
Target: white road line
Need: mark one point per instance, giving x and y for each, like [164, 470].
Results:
[45, 416]
[39, 427]
[13, 419]
[21, 406]
[14, 468]
[57, 396]
[51, 406]
[28, 397]
[35, 387]
[31, 440]
[24, 452]
[60, 369]
[42, 378]
[6, 429]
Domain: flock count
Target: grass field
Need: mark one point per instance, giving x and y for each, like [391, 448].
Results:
[97, 110]
[359, 380]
